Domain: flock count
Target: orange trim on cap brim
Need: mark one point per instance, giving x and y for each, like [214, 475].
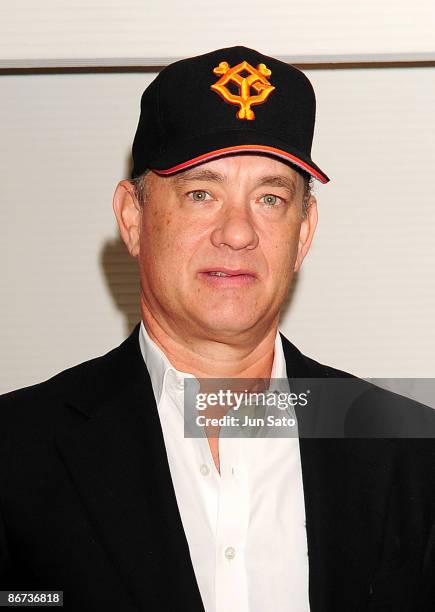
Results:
[247, 148]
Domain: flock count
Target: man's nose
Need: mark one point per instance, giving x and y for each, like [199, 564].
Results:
[236, 230]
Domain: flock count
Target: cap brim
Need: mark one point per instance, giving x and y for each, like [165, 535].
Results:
[212, 146]
[247, 149]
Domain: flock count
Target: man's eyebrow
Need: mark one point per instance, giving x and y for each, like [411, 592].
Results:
[274, 180]
[278, 181]
[198, 175]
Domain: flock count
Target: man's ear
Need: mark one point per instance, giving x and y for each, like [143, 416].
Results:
[128, 214]
[308, 226]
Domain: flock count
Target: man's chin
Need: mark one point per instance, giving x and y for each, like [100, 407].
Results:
[225, 327]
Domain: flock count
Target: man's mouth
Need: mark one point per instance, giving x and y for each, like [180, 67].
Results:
[228, 277]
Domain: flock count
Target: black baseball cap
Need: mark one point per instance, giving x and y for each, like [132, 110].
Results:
[229, 101]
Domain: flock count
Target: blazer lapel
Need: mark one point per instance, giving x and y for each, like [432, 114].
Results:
[110, 439]
[346, 490]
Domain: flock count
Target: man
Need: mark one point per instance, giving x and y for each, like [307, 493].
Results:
[105, 498]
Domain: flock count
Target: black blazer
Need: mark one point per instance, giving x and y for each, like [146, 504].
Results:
[87, 504]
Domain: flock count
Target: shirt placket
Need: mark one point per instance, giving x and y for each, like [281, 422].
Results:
[231, 529]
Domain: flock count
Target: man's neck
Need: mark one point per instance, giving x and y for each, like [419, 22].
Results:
[203, 357]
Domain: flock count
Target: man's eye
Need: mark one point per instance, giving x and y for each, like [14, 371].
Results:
[271, 200]
[199, 196]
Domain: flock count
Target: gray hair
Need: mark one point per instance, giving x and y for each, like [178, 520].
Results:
[140, 188]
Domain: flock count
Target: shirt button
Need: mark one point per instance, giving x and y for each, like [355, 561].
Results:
[204, 469]
[180, 384]
[230, 553]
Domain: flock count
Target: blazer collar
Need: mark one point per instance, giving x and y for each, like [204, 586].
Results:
[110, 439]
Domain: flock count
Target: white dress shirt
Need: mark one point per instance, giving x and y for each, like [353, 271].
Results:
[245, 527]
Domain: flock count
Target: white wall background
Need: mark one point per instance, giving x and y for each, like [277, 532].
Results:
[365, 299]
[115, 31]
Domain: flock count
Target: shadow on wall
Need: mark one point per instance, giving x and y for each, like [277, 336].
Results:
[121, 274]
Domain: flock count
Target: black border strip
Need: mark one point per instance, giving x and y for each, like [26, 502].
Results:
[156, 68]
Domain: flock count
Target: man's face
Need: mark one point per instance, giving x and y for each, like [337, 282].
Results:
[219, 244]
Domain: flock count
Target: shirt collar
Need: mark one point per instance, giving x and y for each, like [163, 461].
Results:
[158, 365]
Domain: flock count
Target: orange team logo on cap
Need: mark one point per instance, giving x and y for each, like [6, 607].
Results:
[253, 78]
